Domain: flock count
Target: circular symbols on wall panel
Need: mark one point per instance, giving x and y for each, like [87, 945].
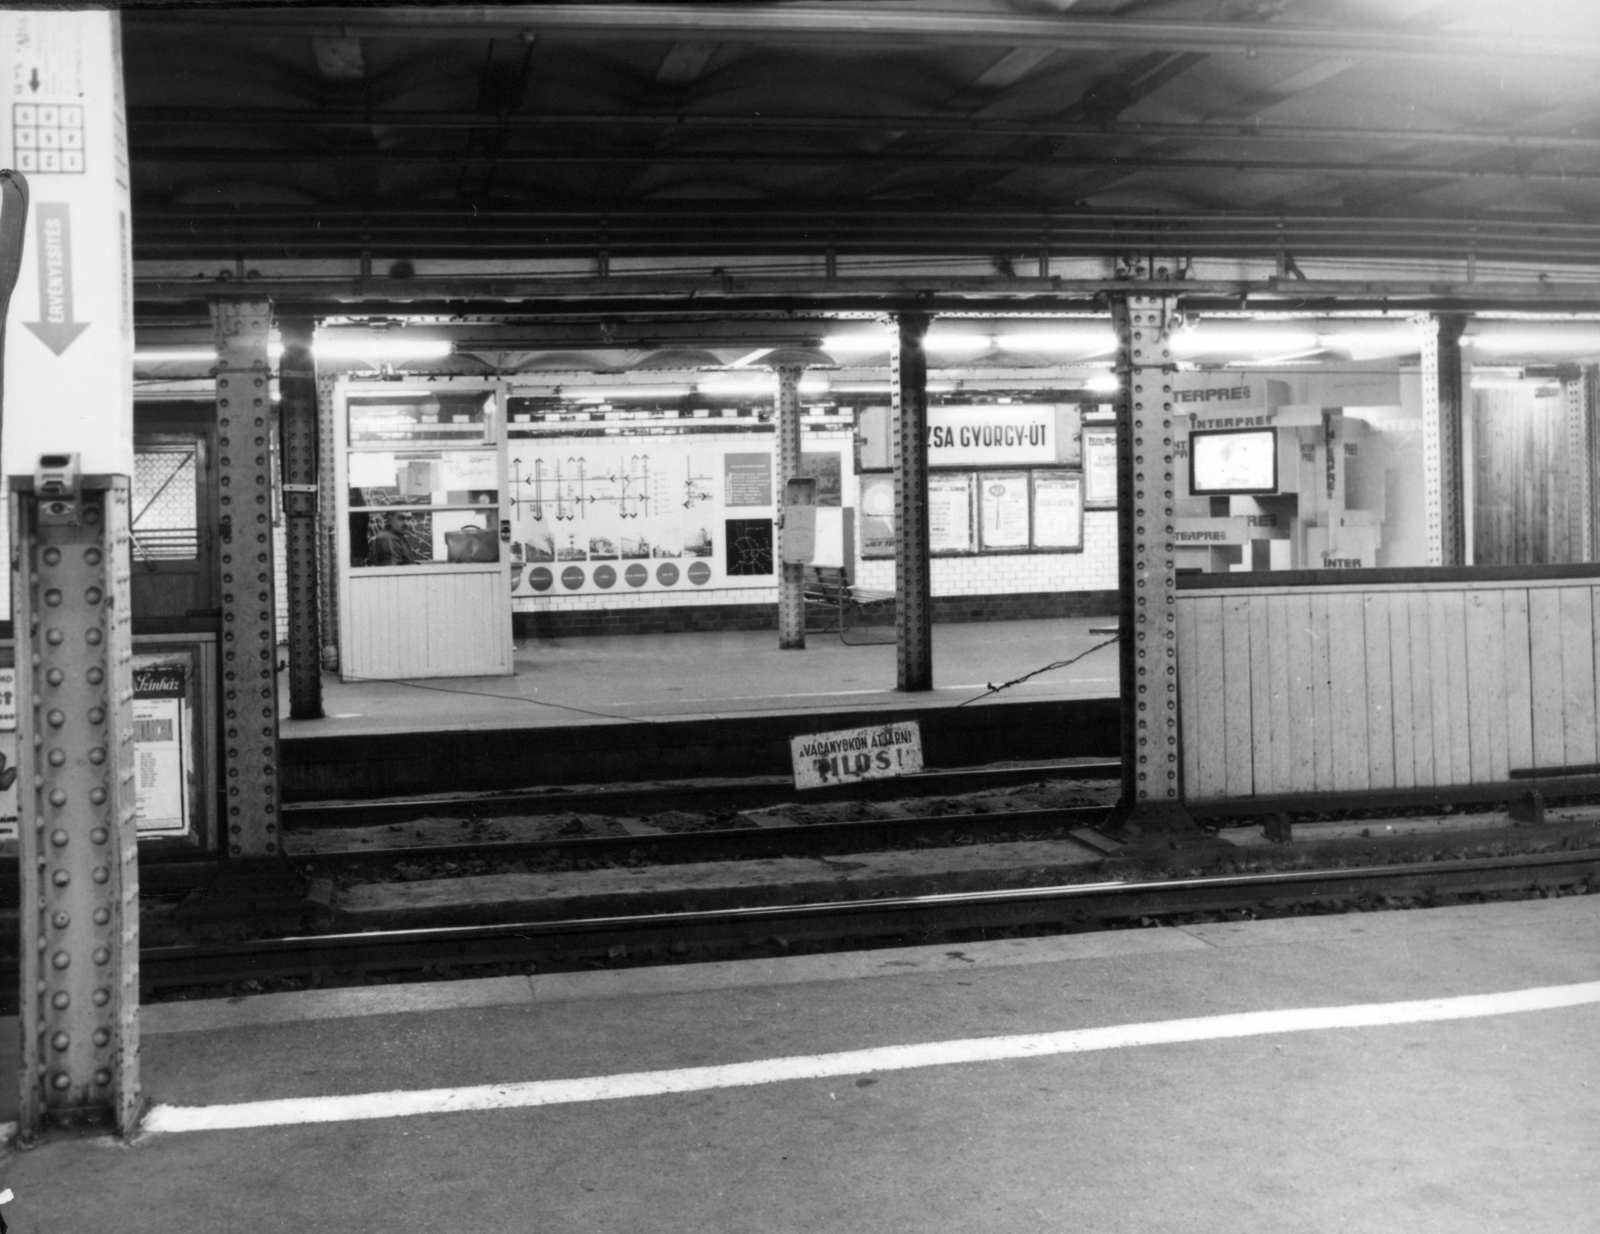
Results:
[539, 578]
[604, 576]
[572, 578]
[699, 574]
[666, 574]
[636, 575]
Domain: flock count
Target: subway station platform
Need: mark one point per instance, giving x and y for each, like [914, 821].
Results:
[637, 707]
[1429, 1070]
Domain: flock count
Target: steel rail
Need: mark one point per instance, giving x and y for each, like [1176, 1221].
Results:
[853, 24]
[1251, 131]
[720, 844]
[744, 793]
[581, 938]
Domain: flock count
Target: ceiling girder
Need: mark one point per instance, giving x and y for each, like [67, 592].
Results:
[163, 118]
[856, 22]
[873, 159]
[676, 296]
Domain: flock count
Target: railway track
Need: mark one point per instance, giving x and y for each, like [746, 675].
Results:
[566, 944]
[746, 793]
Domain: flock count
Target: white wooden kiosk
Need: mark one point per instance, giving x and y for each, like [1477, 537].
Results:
[432, 598]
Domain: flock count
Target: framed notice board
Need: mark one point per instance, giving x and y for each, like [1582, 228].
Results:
[1099, 467]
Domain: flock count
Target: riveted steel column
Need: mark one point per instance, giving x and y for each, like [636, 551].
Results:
[791, 577]
[1577, 404]
[1444, 395]
[327, 527]
[297, 383]
[913, 603]
[1591, 454]
[249, 636]
[77, 837]
[1152, 788]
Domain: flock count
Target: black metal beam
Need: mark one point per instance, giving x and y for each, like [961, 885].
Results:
[163, 119]
[764, 156]
[853, 24]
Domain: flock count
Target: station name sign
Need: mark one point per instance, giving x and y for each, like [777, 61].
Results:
[855, 754]
[1003, 434]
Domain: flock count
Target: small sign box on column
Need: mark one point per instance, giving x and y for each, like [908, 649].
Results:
[855, 754]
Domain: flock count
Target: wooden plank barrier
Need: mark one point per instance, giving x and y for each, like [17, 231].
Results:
[1388, 684]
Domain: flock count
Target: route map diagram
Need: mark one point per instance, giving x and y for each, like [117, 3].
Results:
[593, 514]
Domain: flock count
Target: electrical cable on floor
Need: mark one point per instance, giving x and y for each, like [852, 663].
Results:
[995, 689]
[514, 698]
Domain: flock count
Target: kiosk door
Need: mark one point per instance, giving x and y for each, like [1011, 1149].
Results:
[425, 587]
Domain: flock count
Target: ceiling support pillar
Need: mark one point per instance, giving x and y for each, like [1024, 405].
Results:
[913, 602]
[1578, 398]
[255, 878]
[791, 576]
[327, 525]
[1152, 782]
[1444, 399]
[297, 384]
[78, 841]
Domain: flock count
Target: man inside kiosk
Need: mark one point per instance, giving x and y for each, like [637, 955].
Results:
[389, 547]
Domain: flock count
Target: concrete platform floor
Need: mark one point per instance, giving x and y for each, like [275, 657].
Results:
[1431, 1070]
[572, 682]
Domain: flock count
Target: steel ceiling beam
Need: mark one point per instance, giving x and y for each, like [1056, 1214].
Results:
[747, 294]
[852, 24]
[875, 160]
[163, 118]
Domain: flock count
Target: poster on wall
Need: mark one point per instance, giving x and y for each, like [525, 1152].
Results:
[950, 513]
[160, 744]
[1003, 509]
[1100, 468]
[826, 468]
[877, 516]
[594, 515]
[1058, 509]
[163, 746]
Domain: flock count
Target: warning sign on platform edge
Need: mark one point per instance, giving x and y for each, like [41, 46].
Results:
[853, 754]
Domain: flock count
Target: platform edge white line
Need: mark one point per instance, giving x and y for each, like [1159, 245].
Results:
[170, 1119]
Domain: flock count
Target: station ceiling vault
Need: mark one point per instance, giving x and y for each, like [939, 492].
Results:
[414, 155]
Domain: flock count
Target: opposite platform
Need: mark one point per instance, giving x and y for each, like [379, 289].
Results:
[1419, 1071]
[639, 707]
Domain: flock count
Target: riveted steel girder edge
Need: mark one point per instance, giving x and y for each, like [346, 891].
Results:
[791, 578]
[251, 818]
[1152, 786]
[77, 828]
[1576, 405]
[297, 387]
[908, 382]
[327, 529]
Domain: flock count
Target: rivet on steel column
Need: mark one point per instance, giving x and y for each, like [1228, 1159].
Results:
[77, 842]
[1152, 788]
[912, 578]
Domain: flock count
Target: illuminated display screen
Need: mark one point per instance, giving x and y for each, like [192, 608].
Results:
[1233, 461]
